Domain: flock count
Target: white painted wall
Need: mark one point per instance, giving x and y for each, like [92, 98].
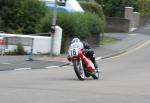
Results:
[56, 41]
[41, 44]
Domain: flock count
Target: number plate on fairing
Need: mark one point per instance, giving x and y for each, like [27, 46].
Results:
[73, 52]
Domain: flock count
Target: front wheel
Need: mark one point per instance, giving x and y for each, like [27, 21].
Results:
[79, 70]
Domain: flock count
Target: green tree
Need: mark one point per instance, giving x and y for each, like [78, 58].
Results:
[144, 7]
[115, 8]
[21, 16]
[95, 8]
[1, 23]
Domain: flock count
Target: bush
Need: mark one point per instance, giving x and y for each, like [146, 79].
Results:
[92, 7]
[18, 51]
[74, 24]
[21, 16]
[45, 23]
[11, 52]
[80, 24]
[144, 7]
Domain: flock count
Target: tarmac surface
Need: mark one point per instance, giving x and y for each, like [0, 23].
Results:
[126, 41]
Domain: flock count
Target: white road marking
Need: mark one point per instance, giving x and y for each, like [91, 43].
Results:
[98, 58]
[51, 67]
[6, 63]
[18, 69]
[132, 34]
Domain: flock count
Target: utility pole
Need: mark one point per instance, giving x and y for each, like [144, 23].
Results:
[54, 15]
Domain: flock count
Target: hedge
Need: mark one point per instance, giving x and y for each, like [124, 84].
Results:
[74, 24]
[92, 7]
[21, 16]
[80, 24]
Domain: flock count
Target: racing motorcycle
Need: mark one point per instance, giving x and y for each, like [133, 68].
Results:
[83, 66]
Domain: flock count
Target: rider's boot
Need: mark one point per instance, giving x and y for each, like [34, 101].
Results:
[96, 67]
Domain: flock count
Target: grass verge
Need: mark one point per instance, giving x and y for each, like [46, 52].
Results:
[107, 40]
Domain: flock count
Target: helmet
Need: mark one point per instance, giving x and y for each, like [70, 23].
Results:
[75, 40]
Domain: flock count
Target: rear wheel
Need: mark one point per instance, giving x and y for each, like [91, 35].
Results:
[79, 70]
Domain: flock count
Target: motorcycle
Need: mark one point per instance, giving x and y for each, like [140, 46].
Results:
[83, 66]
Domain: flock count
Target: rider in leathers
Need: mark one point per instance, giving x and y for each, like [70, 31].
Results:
[76, 43]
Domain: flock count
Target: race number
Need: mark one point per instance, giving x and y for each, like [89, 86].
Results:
[73, 52]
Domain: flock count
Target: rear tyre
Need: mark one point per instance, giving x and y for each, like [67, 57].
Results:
[79, 70]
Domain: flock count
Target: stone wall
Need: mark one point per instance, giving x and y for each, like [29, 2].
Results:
[115, 24]
[129, 23]
[144, 20]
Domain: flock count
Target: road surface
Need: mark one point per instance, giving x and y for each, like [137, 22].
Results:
[125, 79]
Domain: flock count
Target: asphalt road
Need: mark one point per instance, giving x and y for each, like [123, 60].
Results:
[21, 62]
[125, 79]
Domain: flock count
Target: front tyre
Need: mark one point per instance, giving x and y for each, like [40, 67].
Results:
[79, 70]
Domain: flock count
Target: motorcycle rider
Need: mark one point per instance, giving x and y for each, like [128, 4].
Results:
[76, 43]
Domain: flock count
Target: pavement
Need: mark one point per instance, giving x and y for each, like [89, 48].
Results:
[126, 42]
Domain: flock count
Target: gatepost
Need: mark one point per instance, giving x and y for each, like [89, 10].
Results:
[56, 39]
[136, 16]
[129, 15]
